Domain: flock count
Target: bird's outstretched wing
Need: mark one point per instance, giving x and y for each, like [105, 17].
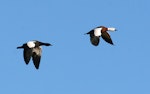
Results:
[36, 56]
[27, 55]
[107, 37]
[95, 40]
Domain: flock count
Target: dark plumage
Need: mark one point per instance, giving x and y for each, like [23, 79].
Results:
[94, 39]
[33, 49]
[98, 32]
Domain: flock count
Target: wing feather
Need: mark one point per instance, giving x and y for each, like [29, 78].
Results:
[27, 55]
[107, 37]
[95, 40]
[36, 56]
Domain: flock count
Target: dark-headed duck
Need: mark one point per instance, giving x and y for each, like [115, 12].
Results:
[33, 49]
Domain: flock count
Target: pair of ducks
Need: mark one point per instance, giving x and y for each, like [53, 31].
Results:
[33, 49]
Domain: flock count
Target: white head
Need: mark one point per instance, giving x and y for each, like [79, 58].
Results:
[112, 29]
[31, 44]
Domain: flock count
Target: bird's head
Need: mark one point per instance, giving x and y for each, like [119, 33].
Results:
[112, 29]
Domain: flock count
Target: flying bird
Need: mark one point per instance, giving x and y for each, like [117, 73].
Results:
[98, 32]
[33, 49]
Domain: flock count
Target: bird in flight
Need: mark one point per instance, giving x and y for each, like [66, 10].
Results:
[98, 32]
[33, 49]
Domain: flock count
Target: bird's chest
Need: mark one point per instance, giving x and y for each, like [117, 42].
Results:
[37, 50]
[97, 32]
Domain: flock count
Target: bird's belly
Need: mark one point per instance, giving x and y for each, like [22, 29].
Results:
[37, 50]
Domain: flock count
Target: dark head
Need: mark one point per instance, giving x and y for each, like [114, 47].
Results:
[20, 47]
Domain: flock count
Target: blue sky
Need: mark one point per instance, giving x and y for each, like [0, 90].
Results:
[72, 65]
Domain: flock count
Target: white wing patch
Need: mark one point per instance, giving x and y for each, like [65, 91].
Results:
[97, 31]
[31, 44]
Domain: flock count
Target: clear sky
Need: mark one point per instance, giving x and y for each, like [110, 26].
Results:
[72, 65]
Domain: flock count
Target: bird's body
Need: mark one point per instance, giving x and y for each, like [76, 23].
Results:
[98, 32]
[33, 49]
